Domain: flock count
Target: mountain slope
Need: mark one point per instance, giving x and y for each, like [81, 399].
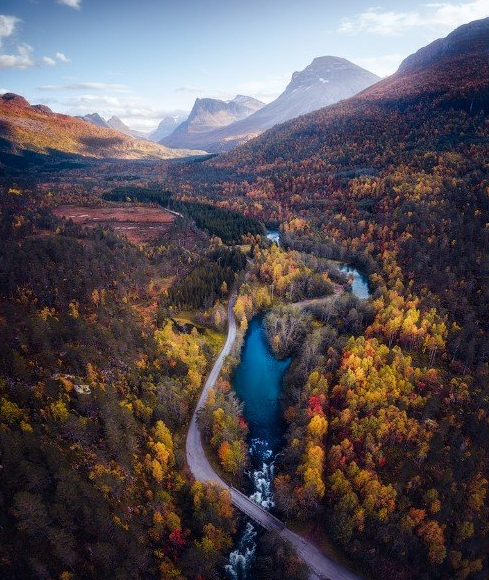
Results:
[209, 114]
[38, 130]
[325, 81]
[451, 72]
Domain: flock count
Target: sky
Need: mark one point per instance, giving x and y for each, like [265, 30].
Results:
[142, 59]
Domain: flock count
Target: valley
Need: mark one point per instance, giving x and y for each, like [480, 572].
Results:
[249, 342]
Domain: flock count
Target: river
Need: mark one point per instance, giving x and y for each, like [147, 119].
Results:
[273, 236]
[258, 383]
[360, 285]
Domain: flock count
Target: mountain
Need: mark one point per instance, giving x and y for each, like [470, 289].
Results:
[325, 81]
[31, 131]
[113, 123]
[167, 126]
[209, 114]
[95, 119]
[116, 124]
[452, 72]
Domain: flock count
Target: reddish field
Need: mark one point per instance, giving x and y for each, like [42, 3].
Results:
[137, 223]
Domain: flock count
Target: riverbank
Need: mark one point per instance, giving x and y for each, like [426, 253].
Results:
[320, 565]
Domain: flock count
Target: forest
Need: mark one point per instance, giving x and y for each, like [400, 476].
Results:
[97, 386]
[106, 345]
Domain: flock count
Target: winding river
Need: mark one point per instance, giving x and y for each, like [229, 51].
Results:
[258, 383]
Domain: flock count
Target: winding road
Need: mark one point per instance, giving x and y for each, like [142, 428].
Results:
[322, 567]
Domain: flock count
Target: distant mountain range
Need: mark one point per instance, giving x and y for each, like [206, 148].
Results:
[450, 74]
[113, 123]
[208, 115]
[325, 81]
[34, 131]
[168, 125]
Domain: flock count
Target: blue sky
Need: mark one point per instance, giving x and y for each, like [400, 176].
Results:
[141, 59]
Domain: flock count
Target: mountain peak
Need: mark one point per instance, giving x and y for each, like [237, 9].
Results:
[330, 69]
[15, 99]
[327, 80]
[208, 114]
[96, 119]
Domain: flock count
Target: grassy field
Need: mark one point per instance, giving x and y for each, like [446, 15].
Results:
[138, 223]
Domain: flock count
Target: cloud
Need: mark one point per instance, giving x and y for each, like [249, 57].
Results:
[21, 59]
[21, 55]
[381, 65]
[48, 60]
[191, 90]
[137, 112]
[71, 3]
[7, 26]
[440, 17]
[86, 87]
[3, 91]
[62, 57]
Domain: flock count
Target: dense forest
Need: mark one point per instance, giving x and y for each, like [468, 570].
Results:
[106, 344]
[96, 388]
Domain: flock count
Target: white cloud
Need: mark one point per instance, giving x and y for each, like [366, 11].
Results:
[441, 17]
[62, 57]
[3, 91]
[18, 55]
[7, 26]
[86, 86]
[138, 113]
[48, 60]
[21, 55]
[191, 90]
[71, 3]
[21, 59]
[380, 65]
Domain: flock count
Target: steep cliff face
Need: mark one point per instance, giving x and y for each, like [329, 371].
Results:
[208, 115]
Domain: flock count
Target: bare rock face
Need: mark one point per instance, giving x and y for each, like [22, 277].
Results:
[96, 119]
[210, 114]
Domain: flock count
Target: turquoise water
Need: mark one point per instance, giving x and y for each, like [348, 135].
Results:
[274, 236]
[258, 383]
[360, 282]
